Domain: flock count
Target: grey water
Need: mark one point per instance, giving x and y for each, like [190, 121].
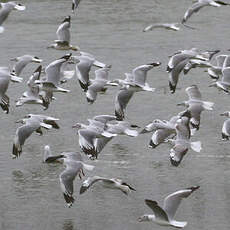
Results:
[30, 195]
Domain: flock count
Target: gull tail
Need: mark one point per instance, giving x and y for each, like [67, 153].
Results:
[178, 224]
[196, 146]
[1, 29]
[107, 134]
[208, 105]
[132, 133]
[88, 167]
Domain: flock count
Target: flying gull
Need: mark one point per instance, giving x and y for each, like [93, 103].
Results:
[113, 183]
[165, 216]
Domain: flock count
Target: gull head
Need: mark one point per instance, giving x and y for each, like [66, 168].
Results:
[143, 218]
[226, 114]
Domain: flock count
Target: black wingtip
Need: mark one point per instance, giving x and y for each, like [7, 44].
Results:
[15, 152]
[83, 86]
[119, 116]
[152, 145]
[194, 188]
[69, 199]
[89, 100]
[172, 87]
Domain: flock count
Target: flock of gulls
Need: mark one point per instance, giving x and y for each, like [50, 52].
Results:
[99, 131]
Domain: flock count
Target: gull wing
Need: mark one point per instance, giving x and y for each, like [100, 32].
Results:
[172, 201]
[193, 92]
[157, 210]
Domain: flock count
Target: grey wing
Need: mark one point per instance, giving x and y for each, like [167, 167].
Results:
[53, 72]
[172, 201]
[220, 60]
[139, 75]
[25, 131]
[193, 9]
[157, 210]
[102, 74]
[66, 180]
[63, 33]
[226, 75]
[4, 83]
[174, 75]
[226, 128]
[19, 66]
[195, 109]
[87, 140]
[101, 143]
[177, 153]
[4, 13]
[159, 136]
[122, 99]
[104, 118]
[193, 92]
[82, 72]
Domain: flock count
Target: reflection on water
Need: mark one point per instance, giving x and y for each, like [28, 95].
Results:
[68, 225]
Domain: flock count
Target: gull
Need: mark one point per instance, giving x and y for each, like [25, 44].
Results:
[45, 121]
[163, 129]
[168, 26]
[182, 143]
[224, 83]
[165, 216]
[23, 132]
[193, 63]
[178, 61]
[4, 84]
[73, 169]
[134, 82]
[113, 183]
[88, 135]
[22, 61]
[98, 84]
[139, 76]
[53, 76]
[122, 128]
[215, 71]
[63, 37]
[6, 8]
[226, 126]
[75, 4]
[32, 95]
[118, 128]
[85, 62]
[123, 96]
[200, 4]
[48, 157]
[196, 105]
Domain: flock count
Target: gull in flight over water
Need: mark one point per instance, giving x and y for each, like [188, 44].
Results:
[164, 216]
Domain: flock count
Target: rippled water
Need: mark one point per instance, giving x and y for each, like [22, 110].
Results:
[112, 30]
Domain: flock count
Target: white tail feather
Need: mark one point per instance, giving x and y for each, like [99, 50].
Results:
[196, 146]
[178, 224]
[132, 133]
